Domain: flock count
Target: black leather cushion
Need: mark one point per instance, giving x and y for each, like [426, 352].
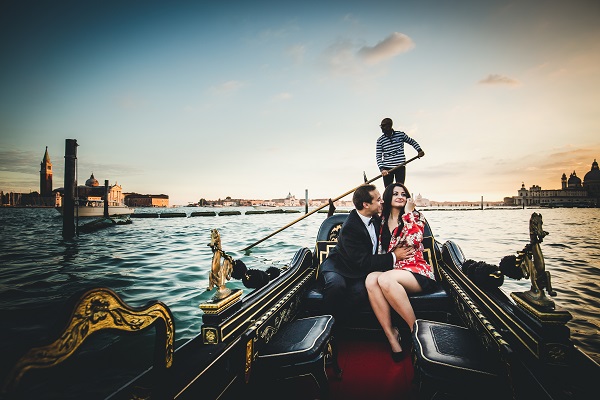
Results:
[436, 300]
[298, 341]
[452, 353]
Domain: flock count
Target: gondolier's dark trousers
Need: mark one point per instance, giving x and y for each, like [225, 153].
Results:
[399, 174]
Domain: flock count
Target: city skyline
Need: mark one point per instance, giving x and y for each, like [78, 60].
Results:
[261, 99]
[346, 199]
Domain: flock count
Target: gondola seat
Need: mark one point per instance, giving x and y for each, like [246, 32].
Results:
[301, 347]
[451, 359]
[436, 305]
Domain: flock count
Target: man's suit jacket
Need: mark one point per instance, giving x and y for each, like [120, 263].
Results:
[353, 254]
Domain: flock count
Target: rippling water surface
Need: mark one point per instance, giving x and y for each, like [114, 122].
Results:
[168, 259]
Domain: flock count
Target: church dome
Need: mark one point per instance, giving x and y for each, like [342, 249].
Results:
[92, 182]
[593, 176]
[574, 180]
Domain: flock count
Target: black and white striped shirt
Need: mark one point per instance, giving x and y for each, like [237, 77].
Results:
[390, 149]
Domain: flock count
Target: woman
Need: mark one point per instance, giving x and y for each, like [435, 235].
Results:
[401, 225]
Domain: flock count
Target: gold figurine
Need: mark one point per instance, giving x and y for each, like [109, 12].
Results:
[531, 262]
[220, 273]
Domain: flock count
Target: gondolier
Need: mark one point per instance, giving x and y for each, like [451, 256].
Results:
[390, 152]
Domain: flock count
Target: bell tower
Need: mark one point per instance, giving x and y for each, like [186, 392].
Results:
[46, 175]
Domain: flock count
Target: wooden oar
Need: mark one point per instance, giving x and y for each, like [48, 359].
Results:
[327, 204]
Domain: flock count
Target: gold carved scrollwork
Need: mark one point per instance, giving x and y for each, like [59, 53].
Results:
[557, 352]
[248, 358]
[96, 310]
[270, 331]
[210, 336]
[334, 233]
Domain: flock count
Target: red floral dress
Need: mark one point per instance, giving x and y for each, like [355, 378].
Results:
[412, 235]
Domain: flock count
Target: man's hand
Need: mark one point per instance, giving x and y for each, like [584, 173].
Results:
[403, 252]
[421, 153]
[384, 172]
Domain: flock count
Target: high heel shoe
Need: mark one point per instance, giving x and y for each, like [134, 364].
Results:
[398, 356]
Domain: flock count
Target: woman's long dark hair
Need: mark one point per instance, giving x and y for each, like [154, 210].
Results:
[387, 202]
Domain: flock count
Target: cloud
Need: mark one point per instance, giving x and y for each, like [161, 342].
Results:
[340, 58]
[497, 79]
[128, 102]
[283, 96]
[389, 47]
[343, 58]
[20, 161]
[228, 87]
[296, 52]
[20, 170]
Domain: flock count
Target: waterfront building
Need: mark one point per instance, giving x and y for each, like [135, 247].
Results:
[573, 192]
[289, 201]
[421, 201]
[93, 191]
[146, 200]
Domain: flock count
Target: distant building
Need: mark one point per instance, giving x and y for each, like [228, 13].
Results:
[46, 175]
[45, 197]
[338, 203]
[146, 200]
[421, 201]
[573, 193]
[93, 191]
[288, 201]
[33, 199]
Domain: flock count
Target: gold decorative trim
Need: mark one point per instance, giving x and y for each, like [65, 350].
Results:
[216, 307]
[210, 335]
[512, 325]
[322, 249]
[248, 366]
[96, 310]
[294, 283]
[552, 317]
[257, 324]
[476, 313]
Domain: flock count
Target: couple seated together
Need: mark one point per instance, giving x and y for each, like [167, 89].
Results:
[378, 258]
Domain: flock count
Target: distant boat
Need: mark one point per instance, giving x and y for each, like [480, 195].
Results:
[93, 206]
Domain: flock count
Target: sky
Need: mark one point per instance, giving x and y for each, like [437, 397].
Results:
[259, 99]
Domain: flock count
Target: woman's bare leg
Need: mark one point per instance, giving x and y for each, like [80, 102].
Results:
[395, 286]
[382, 310]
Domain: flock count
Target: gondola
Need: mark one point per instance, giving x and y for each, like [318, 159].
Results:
[471, 339]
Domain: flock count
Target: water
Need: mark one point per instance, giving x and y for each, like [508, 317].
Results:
[168, 259]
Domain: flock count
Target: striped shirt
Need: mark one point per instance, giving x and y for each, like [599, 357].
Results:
[390, 150]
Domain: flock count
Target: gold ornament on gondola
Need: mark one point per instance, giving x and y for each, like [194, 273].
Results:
[220, 271]
[531, 262]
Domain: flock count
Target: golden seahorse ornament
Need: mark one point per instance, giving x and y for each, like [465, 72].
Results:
[531, 262]
[220, 272]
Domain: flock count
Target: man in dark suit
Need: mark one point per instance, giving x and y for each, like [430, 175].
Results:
[344, 271]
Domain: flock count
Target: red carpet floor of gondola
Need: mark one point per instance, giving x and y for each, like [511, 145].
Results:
[370, 373]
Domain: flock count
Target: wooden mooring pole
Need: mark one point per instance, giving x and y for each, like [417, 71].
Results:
[70, 185]
[305, 201]
[106, 198]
